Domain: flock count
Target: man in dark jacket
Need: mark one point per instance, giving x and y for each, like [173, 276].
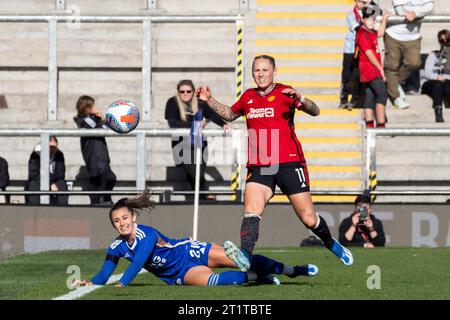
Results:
[95, 150]
[57, 169]
[4, 177]
[362, 229]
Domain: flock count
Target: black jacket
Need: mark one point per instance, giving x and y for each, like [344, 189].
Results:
[358, 240]
[173, 117]
[94, 149]
[34, 167]
[4, 174]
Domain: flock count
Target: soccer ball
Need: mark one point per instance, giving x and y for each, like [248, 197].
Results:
[122, 116]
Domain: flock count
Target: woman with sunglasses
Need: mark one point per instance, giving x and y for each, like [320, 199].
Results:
[180, 111]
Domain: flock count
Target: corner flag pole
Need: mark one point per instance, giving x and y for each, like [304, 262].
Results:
[197, 141]
[198, 153]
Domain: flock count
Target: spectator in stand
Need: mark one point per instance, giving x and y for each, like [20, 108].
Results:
[57, 172]
[402, 47]
[350, 69]
[179, 113]
[370, 66]
[362, 229]
[4, 178]
[437, 73]
[95, 150]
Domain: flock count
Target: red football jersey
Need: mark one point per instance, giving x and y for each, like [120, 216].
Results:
[270, 124]
[367, 40]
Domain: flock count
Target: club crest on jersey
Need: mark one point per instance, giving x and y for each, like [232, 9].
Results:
[271, 98]
[261, 113]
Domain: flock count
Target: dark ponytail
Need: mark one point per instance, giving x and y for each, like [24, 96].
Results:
[141, 202]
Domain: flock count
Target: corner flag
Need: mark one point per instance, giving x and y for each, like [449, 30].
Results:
[195, 135]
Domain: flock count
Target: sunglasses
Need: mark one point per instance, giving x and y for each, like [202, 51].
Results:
[185, 91]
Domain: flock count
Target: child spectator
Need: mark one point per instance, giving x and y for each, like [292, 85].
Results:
[370, 66]
[350, 60]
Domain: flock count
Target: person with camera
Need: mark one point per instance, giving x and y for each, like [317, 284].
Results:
[361, 228]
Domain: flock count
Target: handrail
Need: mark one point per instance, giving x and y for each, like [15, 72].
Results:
[224, 192]
[123, 19]
[371, 135]
[171, 18]
[23, 132]
[426, 19]
[139, 134]
[410, 132]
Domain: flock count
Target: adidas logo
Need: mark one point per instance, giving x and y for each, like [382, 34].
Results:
[250, 101]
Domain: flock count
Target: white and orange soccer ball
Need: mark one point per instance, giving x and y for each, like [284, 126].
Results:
[122, 116]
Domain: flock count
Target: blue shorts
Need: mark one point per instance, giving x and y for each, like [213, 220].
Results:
[197, 255]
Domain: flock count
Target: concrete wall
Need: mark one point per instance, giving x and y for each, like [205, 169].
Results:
[35, 229]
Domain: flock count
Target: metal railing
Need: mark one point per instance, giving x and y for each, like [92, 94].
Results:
[152, 5]
[141, 150]
[371, 163]
[140, 134]
[147, 22]
[426, 19]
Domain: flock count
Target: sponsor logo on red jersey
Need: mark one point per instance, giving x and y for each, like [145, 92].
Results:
[255, 113]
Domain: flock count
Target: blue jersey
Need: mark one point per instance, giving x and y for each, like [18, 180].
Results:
[168, 259]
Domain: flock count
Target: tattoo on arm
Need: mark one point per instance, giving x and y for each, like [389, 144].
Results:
[222, 110]
[310, 107]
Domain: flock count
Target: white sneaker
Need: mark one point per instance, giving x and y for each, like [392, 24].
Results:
[401, 92]
[400, 103]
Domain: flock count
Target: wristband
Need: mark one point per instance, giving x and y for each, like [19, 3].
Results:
[299, 101]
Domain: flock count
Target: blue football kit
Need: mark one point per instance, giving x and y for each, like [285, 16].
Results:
[168, 259]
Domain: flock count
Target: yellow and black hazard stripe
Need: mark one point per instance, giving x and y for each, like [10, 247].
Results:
[239, 58]
[373, 184]
[235, 181]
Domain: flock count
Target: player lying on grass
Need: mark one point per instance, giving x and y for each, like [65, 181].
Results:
[179, 261]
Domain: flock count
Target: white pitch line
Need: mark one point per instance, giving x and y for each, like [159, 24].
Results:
[82, 291]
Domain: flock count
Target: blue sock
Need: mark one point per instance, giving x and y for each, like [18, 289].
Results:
[264, 265]
[227, 278]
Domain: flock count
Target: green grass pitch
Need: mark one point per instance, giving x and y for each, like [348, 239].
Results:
[405, 273]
